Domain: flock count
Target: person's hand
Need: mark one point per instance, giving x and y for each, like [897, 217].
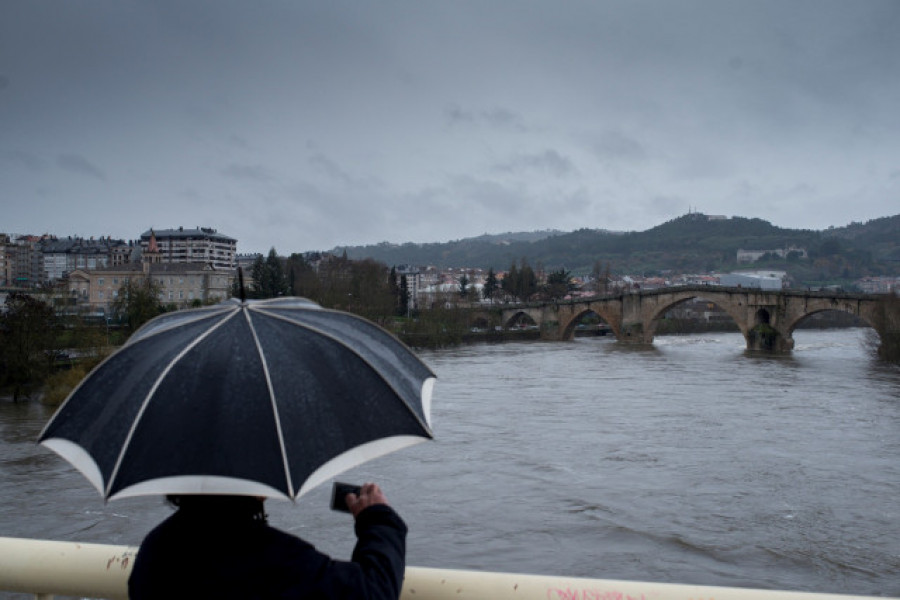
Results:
[369, 495]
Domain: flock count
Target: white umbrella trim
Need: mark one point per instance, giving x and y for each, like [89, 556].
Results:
[273, 403]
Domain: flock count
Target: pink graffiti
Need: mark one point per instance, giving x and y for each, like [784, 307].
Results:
[588, 594]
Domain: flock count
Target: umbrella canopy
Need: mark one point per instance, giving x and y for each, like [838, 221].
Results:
[266, 398]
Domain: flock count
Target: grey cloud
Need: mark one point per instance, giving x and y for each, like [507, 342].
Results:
[462, 117]
[615, 145]
[247, 172]
[238, 142]
[549, 161]
[76, 163]
[338, 174]
[500, 118]
[25, 159]
[330, 168]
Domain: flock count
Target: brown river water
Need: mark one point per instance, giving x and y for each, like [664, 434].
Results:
[689, 462]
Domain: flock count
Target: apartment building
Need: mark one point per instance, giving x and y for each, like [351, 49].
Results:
[199, 245]
[62, 256]
[4, 260]
[21, 263]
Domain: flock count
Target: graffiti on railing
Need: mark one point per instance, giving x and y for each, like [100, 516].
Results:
[600, 594]
[590, 594]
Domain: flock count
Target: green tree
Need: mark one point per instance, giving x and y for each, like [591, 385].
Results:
[370, 295]
[404, 295]
[277, 283]
[302, 278]
[527, 285]
[510, 283]
[269, 279]
[559, 284]
[394, 287]
[28, 349]
[491, 285]
[260, 278]
[463, 285]
[137, 302]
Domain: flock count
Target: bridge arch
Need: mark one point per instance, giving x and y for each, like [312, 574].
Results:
[525, 316]
[735, 311]
[567, 327]
[862, 315]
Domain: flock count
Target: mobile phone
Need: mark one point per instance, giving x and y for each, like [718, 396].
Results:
[339, 493]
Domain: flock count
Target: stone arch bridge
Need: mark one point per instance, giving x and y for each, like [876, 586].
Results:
[766, 318]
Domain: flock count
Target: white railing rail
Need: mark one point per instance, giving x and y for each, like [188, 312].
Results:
[46, 568]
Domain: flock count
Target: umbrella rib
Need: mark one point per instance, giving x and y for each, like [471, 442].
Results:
[146, 401]
[323, 333]
[275, 414]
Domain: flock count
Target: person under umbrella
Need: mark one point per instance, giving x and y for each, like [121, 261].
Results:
[221, 547]
[222, 406]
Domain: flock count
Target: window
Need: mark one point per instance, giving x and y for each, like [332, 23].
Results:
[100, 282]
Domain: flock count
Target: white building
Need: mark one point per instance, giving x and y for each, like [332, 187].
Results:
[200, 245]
[764, 280]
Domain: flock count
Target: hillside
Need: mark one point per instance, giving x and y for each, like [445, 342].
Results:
[690, 243]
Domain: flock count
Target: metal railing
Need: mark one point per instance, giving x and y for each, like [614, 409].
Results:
[46, 568]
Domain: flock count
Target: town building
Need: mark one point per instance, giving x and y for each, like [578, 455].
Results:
[415, 282]
[182, 284]
[5, 271]
[62, 256]
[21, 263]
[200, 245]
[764, 280]
[879, 285]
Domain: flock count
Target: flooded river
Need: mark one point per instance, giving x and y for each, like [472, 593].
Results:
[688, 462]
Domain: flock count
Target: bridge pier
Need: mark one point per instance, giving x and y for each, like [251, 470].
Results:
[765, 338]
[633, 333]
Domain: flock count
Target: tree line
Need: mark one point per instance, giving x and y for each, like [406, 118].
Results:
[36, 341]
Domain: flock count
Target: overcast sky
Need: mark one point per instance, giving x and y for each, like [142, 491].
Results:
[306, 125]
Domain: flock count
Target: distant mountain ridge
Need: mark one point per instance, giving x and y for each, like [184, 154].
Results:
[691, 243]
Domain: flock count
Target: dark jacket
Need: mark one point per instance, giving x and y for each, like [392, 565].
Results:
[205, 556]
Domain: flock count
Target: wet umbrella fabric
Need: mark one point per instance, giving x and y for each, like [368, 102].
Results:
[268, 398]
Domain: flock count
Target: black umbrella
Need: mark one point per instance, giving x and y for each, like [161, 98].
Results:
[266, 398]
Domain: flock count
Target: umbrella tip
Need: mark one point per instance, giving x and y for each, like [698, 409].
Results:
[241, 284]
